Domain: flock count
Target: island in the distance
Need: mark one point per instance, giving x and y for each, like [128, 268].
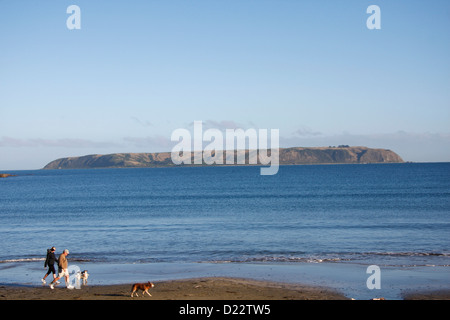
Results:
[287, 156]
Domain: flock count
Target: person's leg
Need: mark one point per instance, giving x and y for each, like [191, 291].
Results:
[54, 272]
[66, 277]
[48, 272]
[54, 281]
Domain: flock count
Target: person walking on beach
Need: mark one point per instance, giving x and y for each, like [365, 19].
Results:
[50, 263]
[62, 264]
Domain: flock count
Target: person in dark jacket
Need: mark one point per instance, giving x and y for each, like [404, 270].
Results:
[50, 263]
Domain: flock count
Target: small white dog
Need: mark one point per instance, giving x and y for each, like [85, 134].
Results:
[83, 275]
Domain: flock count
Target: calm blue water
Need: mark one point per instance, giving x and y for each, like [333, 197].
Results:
[389, 215]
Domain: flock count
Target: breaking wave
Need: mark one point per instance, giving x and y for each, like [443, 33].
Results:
[383, 258]
[404, 259]
[22, 260]
[37, 259]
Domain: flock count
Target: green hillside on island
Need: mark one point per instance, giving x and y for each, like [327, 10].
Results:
[287, 156]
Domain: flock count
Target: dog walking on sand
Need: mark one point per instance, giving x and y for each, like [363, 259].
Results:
[141, 286]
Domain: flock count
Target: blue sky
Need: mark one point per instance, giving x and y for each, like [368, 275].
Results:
[137, 70]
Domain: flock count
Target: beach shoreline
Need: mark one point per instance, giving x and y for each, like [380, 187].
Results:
[211, 288]
[208, 288]
[347, 279]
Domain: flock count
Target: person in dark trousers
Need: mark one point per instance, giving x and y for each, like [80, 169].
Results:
[50, 263]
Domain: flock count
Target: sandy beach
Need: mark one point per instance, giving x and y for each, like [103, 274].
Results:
[189, 289]
[428, 295]
[213, 288]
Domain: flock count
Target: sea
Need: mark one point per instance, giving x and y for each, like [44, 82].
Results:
[309, 224]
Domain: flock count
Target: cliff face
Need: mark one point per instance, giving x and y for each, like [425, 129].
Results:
[286, 156]
[337, 155]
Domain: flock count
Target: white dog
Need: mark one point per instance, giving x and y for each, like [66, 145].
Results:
[83, 275]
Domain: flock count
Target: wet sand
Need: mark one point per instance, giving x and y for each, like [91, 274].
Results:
[189, 289]
[428, 295]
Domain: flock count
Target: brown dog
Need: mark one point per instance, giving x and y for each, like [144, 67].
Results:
[141, 286]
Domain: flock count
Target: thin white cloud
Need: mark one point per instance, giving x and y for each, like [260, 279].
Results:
[64, 143]
[306, 132]
[223, 125]
[142, 122]
[158, 141]
[420, 147]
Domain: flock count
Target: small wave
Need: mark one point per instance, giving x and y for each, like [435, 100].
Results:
[410, 254]
[22, 260]
[351, 257]
[280, 259]
[40, 259]
[293, 259]
[80, 260]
